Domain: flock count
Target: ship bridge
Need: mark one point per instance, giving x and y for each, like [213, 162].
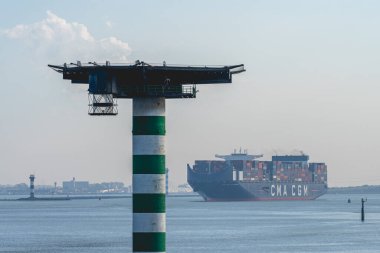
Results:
[241, 156]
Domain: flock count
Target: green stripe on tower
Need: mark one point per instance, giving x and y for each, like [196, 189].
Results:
[149, 203]
[148, 165]
[148, 125]
[149, 242]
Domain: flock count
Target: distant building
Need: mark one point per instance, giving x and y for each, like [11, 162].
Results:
[110, 187]
[75, 186]
[184, 188]
[68, 187]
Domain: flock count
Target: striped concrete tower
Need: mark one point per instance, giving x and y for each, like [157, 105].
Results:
[167, 181]
[31, 179]
[148, 85]
[149, 218]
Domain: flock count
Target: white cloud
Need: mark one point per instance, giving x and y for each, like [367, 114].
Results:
[57, 38]
[109, 24]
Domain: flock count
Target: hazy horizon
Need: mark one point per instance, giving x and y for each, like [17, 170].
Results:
[312, 85]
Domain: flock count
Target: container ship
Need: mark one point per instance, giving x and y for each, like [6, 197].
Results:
[241, 177]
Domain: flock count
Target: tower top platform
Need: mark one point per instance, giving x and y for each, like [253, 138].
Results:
[141, 80]
[145, 80]
[142, 73]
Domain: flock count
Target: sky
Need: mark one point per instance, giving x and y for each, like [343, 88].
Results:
[311, 85]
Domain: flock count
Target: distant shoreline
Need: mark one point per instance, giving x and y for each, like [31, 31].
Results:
[365, 189]
[49, 197]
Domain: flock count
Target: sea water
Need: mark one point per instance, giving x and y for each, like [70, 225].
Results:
[328, 224]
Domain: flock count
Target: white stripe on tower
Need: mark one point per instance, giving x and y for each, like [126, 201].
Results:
[148, 144]
[149, 183]
[149, 222]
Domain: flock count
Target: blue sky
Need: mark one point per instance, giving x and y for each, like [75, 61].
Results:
[312, 84]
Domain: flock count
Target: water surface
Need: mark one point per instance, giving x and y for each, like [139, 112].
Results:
[328, 224]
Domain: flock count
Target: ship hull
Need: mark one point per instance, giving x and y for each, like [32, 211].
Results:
[258, 191]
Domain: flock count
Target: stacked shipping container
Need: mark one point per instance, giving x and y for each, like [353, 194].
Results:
[281, 169]
[291, 171]
[319, 172]
[210, 166]
[257, 170]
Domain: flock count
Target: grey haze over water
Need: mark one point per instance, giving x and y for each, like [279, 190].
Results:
[328, 224]
[312, 84]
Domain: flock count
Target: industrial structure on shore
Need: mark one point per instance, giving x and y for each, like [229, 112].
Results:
[32, 197]
[148, 86]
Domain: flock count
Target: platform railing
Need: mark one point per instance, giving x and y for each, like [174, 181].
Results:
[167, 91]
